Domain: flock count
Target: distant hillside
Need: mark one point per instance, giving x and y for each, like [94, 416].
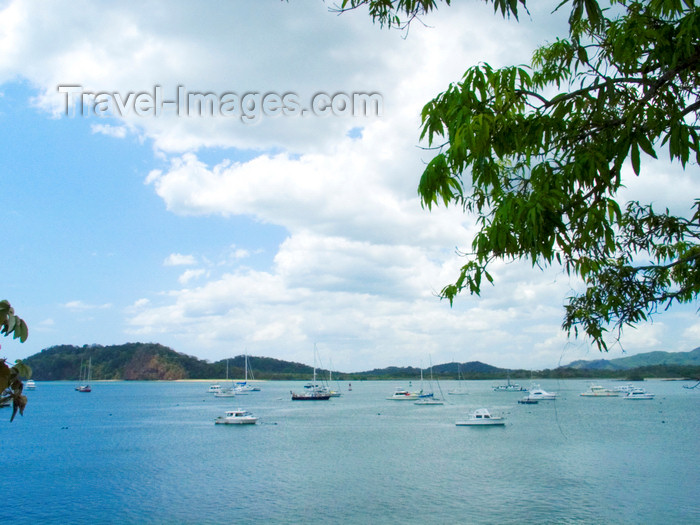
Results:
[691, 358]
[148, 361]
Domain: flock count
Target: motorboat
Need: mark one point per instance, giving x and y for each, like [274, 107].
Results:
[481, 417]
[401, 394]
[537, 393]
[236, 417]
[639, 393]
[527, 401]
[600, 391]
[214, 388]
[30, 384]
[625, 389]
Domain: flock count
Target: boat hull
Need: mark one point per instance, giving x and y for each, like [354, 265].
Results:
[236, 421]
[470, 423]
[310, 397]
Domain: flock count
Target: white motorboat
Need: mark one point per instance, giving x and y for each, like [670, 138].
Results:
[30, 384]
[481, 417]
[214, 388]
[401, 394]
[537, 393]
[236, 417]
[600, 391]
[639, 393]
[625, 389]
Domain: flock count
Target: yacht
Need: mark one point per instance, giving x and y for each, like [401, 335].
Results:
[600, 391]
[481, 417]
[236, 417]
[509, 387]
[30, 384]
[639, 393]
[536, 392]
[401, 394]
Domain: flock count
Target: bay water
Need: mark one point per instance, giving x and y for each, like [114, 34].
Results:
[150, 453]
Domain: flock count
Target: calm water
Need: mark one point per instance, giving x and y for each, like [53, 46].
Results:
[143, 452]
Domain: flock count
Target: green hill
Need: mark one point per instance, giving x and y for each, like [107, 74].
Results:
[150, 361]
[648, 359]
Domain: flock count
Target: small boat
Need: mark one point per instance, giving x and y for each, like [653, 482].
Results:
[639, 393]
[242, 387]
[312, 391]
[600, 391]
[459, 391]
[30, 385]
[225, 392]
[527, 401]
[538, 393]
[509, 387]
[85, 377]
[214, 388]
[236, 417]
[401, 394]
[625, 389]
[481, 417]
[429, 401]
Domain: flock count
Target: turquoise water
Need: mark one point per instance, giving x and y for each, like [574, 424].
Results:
[147, 453]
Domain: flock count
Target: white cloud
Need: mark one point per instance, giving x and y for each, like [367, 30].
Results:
[178, 259]
[190, 275]
[118, 132]
[83, 306]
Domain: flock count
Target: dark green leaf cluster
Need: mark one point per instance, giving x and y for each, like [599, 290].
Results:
[11, 385]
[400, 13]
[536, 155]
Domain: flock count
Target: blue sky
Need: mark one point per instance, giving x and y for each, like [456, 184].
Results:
[216, 237]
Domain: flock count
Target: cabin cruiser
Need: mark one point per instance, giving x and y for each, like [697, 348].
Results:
[481, 417]
[600, 391]
[236, 417]
[538, 393]
[401, 394]
[639, 393]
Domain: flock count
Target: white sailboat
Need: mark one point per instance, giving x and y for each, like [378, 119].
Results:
[226, 392]
[460, 390]
[429, 398]
[312, 391]
[242, 387]
[85, 377]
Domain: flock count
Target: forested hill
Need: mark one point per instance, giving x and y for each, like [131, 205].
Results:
[149, 361]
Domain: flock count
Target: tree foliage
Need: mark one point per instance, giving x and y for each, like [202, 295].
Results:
[537, 153]
[11, 385]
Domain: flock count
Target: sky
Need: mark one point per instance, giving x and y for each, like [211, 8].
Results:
[282, 216]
